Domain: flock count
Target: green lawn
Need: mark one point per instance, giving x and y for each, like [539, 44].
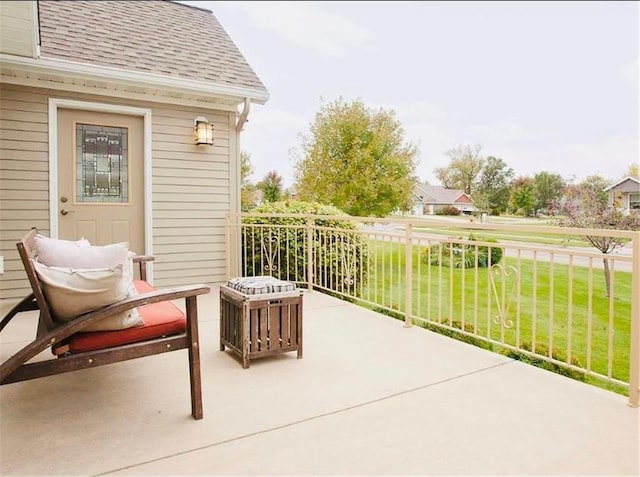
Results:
[565, 321]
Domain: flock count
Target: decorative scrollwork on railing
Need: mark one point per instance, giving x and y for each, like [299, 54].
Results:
[503, 300]
[348, 260]
[348, 269]
[270, 245]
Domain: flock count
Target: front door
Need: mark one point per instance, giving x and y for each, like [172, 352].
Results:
[100, 177]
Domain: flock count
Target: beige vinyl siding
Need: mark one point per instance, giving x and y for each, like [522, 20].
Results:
[24, 179]
[190, 186]
[190, 198]
[17, 28]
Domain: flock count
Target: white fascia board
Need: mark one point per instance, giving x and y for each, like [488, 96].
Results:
[607, 189]
[93, 72]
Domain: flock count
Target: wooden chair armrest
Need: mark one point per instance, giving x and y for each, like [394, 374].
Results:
[77, 324]
[142, 260]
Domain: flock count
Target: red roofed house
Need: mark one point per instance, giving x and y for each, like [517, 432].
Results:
[121, 122]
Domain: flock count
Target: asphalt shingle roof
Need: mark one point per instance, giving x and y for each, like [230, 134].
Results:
[438, 194]
[152, 36]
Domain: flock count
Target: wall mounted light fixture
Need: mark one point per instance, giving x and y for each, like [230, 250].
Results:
[202, 131]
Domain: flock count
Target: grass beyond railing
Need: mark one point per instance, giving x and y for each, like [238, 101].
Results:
[547, 305]
[465, 301]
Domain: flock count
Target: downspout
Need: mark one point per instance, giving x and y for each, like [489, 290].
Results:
[36, 29]
[243, 117]
[235, 233]
[242, 120]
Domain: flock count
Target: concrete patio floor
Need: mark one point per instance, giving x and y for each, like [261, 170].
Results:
[369, 397]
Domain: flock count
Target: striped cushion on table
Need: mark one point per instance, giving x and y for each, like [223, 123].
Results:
[260, 284]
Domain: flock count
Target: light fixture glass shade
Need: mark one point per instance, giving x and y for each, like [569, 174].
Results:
[202, 131]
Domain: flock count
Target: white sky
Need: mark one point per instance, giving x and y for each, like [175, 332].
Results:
[546, 86]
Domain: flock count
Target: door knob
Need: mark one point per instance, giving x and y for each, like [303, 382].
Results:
[65, 211]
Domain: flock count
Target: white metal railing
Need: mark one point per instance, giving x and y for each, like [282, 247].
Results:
[541, 302]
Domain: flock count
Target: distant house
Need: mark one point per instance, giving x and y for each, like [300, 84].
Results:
[432, 198]
[121, 122]
[625, 194]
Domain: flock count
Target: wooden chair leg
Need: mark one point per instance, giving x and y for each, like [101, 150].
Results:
[223, 325]
[194, 358]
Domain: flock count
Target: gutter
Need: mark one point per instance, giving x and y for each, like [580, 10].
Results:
[50, 66]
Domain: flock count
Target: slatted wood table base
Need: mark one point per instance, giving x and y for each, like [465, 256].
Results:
[256, 326]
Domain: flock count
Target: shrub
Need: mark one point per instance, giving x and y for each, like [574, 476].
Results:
[448, 210]
[454, 254]
[341, 256]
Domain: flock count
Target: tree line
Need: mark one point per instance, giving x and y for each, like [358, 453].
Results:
[495, 189]
[357, 159]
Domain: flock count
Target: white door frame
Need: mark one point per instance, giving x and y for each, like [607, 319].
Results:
[54, 105]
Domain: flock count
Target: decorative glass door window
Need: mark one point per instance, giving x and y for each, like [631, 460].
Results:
[102, 164]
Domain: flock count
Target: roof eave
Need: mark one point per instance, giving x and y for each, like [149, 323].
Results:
[95, 72]
[607, 189]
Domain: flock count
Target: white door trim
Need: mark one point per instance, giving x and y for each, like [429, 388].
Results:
[54, 105]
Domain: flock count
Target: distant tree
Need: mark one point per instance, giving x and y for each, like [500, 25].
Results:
[590, 212]
[549, 188]
[492, 192]
[632, 171]
[523, 196]
[592, 189]
[463, 169]
[247, 189]
[355, 158]
[597, 184]
[588, 194]
[271, 187]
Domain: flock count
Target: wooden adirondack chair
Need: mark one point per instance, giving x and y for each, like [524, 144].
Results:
[165, 329]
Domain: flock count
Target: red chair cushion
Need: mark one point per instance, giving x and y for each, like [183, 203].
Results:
[160, 319]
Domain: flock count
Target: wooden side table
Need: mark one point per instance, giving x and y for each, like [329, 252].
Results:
[258, 325]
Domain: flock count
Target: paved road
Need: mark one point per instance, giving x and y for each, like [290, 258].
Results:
[620, 259]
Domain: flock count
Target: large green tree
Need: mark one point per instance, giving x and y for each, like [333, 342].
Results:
[465, 165]
[271, 187]
[549, 188]
[492, 192]
[356, 158]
